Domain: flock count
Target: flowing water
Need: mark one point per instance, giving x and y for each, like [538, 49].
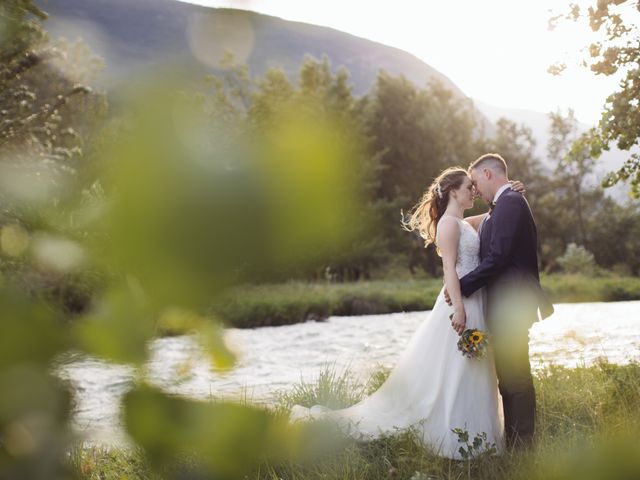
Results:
[275, 358]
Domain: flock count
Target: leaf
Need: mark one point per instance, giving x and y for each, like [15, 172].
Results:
[225, 439]
[118, 328]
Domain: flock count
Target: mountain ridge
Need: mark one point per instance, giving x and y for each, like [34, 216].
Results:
[161, 28]
[131, 34]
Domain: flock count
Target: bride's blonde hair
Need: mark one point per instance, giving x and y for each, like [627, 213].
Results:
[426, 214]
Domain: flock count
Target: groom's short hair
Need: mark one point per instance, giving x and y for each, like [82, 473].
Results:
[490, 160]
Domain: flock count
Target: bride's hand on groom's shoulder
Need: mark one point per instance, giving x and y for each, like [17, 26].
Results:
[518, 186]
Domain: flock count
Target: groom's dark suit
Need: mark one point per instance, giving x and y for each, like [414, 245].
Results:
[509, 271]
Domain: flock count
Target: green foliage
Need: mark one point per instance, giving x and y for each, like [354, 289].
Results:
[48, 117]
[573, 163]
[295, 302]
[46, 113]
[250, 306]
[274, 108]
[577, 259]
[225, 439]
[478, 447]
[415, 133]
[516, 143]
[581, 288]
[616, 51]
[20, 32]
[44, 116]
[169, 217]
[110, 463]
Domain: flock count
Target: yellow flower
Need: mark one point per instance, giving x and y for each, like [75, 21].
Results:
[476, 337]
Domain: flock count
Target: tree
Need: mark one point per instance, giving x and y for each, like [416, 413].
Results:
[237, 105]
[574, 163]
[517, 145]
[45, 118]
[614, 231]
[48, 112]
[417, 133]
[618, 51]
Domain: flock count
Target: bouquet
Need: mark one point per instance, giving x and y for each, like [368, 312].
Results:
[473, 343]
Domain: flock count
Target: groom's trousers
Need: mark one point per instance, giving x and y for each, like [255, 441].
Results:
[509, 327]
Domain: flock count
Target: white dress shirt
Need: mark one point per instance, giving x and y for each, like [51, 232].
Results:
[500, 191]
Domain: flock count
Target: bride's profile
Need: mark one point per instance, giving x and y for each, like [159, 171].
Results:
[434, 389]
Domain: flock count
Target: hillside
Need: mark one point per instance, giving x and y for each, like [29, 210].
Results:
[129, 33]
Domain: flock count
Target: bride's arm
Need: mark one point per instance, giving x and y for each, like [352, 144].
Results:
[448, 235]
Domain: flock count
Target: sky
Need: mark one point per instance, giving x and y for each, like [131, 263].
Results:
[496, 51]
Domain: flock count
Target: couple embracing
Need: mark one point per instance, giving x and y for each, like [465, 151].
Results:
[492, 285]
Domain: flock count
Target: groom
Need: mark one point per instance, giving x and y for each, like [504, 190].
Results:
[509, 271]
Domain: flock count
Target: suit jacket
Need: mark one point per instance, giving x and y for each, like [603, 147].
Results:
[508, 253]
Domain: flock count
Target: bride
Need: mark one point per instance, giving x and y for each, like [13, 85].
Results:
[434, 388]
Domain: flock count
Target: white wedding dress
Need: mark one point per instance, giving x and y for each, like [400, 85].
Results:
[433, 387]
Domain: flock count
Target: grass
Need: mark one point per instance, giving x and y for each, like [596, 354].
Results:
[295, 302]
[582, 288]
[587, 428]
[99, 462]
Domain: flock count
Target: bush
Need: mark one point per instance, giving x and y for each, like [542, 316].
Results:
[577, 259]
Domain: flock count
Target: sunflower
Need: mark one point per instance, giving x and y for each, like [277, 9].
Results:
[476, 337]
[473, 343]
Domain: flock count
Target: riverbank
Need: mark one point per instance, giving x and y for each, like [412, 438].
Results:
[295, 302]
[586, 428]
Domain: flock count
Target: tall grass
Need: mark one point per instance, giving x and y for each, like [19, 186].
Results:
[582, 288]
[295, 302]
[586, 411]
[587, 425]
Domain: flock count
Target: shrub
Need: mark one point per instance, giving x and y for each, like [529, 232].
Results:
[577, 259]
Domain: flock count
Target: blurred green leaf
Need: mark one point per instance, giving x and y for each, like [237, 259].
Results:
[31, 333]
[613, 457]
[209, 332]
[225, 438]
[118, 328]
[34, 417]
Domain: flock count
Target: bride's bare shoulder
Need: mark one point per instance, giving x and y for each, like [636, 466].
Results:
[448, 227]
[448, 220]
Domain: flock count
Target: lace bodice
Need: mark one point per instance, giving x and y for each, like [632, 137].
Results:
[468, 249]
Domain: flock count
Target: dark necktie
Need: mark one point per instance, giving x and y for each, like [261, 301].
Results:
[492, 205]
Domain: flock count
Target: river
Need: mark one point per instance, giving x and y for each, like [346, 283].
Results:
[271, 359]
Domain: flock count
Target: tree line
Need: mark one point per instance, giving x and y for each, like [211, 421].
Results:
[410, 133]
[402, 136]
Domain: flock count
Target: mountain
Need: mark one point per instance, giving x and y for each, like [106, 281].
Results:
[132, 33]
